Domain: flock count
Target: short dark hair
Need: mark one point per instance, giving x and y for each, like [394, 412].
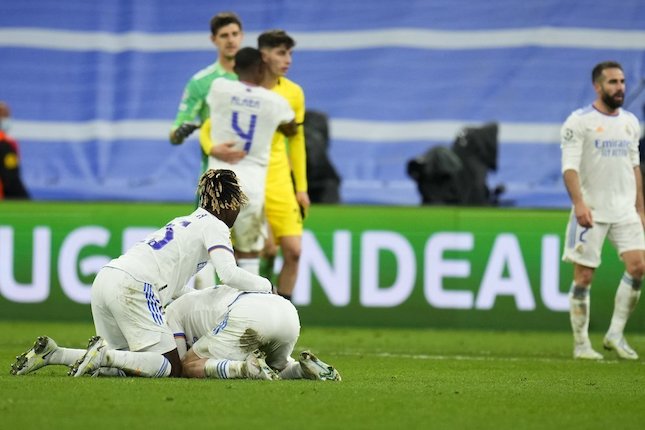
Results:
[246, 59]
[596, 73]
[275, 38]
[223, 19]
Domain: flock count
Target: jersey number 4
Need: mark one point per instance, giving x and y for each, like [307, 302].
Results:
[247, 135]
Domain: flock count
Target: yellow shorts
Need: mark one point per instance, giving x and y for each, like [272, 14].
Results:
[281, 207]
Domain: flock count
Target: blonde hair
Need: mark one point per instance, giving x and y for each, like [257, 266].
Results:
[219, 189]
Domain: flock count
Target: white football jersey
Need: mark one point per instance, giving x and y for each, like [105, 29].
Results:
[248, 115]
[200, 312]
[169, 257]
[603, 149]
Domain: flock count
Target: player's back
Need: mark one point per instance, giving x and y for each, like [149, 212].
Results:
[248, 115]
[201, 312]
[169, 257]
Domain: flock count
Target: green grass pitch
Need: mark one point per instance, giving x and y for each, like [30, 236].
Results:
[392, 379]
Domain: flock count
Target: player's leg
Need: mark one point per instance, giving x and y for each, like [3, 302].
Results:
[629, 241]
[582, 248]
[291, 249]
[278, 327]
[131, 332]
[253, 367]
[44, 352]
[579, 312]
[249, 232]
[285, 220]
[268, 256]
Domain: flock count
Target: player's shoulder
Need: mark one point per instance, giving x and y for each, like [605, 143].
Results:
[202, 216]
[584, 111]
[630, 116]
[221, 83]
[580, 115]
[208, 74]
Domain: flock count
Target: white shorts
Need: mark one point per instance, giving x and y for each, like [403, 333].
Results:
[584, 245]
[128, 314]
[249, 231]
[265, 321]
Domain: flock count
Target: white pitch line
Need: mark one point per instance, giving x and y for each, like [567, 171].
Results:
[466, 357]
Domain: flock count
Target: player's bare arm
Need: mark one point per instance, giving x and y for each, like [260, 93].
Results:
[227, 152]
[224, 151]
[582, 212]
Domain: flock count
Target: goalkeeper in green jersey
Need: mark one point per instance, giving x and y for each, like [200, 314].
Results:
[226, 35]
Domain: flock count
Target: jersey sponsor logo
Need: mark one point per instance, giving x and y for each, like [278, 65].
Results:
[612, 147]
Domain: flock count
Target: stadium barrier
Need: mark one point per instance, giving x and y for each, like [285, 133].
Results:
[435, 267]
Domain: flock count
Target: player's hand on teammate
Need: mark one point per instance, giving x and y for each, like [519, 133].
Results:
[183, 131]
[226, 152]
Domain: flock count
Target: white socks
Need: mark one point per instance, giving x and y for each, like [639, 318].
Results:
[223, 369]
[626, 299]
[292, 371]
[579, 313]
[66, 356]
[147, 364]
[251, 265]
[627, 295]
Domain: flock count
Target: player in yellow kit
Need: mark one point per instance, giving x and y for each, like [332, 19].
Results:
[287, 200]
[284, 208]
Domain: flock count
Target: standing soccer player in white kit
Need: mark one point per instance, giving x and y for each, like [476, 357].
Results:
[600, 165]
[130, 293]
[248, 114]
[228, 332]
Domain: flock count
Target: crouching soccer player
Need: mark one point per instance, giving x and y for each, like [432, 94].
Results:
[225, 333]
[130, 293]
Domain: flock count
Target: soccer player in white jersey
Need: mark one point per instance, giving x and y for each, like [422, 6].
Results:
[600, 165]
[130, 293]
[219, 326]
[248, 114]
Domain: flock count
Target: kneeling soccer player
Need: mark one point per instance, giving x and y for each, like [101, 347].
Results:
[238, 334]
[130, 293]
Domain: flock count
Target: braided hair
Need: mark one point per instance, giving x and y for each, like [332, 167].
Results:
[219, 189]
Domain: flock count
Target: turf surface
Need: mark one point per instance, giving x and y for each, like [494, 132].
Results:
[392, 379]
